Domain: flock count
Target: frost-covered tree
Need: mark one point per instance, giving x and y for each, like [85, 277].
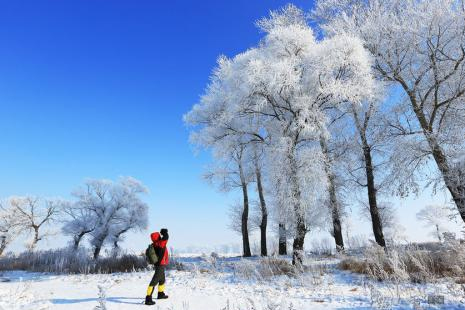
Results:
[334, 149]
[281, 86]
[436, 216]
[232, 139]
[233, 170]
[9, 226]
[295, 81]
[106, 210]
[368, 164]
[79, 222]
[418, 47]
[258, 163]
[33, 214]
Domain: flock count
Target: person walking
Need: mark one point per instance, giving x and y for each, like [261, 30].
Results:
[157, 254]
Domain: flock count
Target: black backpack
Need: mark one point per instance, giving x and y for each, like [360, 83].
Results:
[151, 255]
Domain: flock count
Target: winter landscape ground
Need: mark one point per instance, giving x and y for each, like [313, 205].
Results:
[228, 283]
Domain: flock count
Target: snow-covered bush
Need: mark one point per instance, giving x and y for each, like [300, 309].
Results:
[264, 268]
[102, 297]
[21, 298]
[323, 247]
[414, 263]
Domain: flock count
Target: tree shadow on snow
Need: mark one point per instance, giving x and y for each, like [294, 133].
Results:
[118, 300]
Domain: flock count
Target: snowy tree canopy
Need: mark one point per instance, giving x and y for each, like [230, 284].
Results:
[418, 47]
[106, 210]
[276, 93]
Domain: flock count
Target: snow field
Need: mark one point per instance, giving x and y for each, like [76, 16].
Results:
[205, 287]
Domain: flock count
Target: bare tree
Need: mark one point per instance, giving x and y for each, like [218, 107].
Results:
[436, 216]
[32, 214]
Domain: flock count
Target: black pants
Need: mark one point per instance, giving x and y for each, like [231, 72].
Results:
[159, 276]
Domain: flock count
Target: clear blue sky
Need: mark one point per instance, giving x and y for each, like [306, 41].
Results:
[97, 89]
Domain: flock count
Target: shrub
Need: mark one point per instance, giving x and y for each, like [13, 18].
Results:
[416, 263]
[264, 268]
[71, 262]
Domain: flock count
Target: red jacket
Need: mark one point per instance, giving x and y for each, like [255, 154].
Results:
[160, 248]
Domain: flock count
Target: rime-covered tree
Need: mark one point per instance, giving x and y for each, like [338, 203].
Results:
[368, 164]
[312, 76]
[232, 170]
[419, 48]
[281, 86]
[79, 222]
[231, 138]
[33, 214]
[9, 226]
[106, 210]
[436, 216]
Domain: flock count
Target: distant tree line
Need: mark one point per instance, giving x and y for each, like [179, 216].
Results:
[101, 212]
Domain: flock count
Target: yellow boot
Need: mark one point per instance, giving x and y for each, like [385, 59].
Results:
[161, 292]
[148, 299]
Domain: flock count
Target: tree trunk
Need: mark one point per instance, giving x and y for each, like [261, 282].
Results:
[298, 245]
[454, 180]
[454, 183]
[97, 249]
[371, 188]
[301, 229]
[333, 202]
[264, 211]
[438, 233]
[77, 239]
[36, 238]
[2, 244]
[245, 215]
[282, 239]
[98, 244]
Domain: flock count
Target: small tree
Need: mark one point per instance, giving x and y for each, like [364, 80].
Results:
[8, 227]
[32, 214]
[436, 216]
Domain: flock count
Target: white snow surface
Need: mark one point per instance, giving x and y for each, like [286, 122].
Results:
[214, 285]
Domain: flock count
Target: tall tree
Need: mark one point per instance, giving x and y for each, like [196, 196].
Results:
[419, 47]
[235, 171]
[282, 85]
[333, 201]
[258, 165]
[364, 118]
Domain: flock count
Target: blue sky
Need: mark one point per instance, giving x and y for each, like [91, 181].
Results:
[97, 89]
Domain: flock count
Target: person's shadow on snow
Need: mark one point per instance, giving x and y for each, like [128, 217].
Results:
[118, 300]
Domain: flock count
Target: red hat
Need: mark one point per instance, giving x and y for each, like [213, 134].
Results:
[155, 236]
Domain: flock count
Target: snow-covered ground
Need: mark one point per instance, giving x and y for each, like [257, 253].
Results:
[221, 284]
